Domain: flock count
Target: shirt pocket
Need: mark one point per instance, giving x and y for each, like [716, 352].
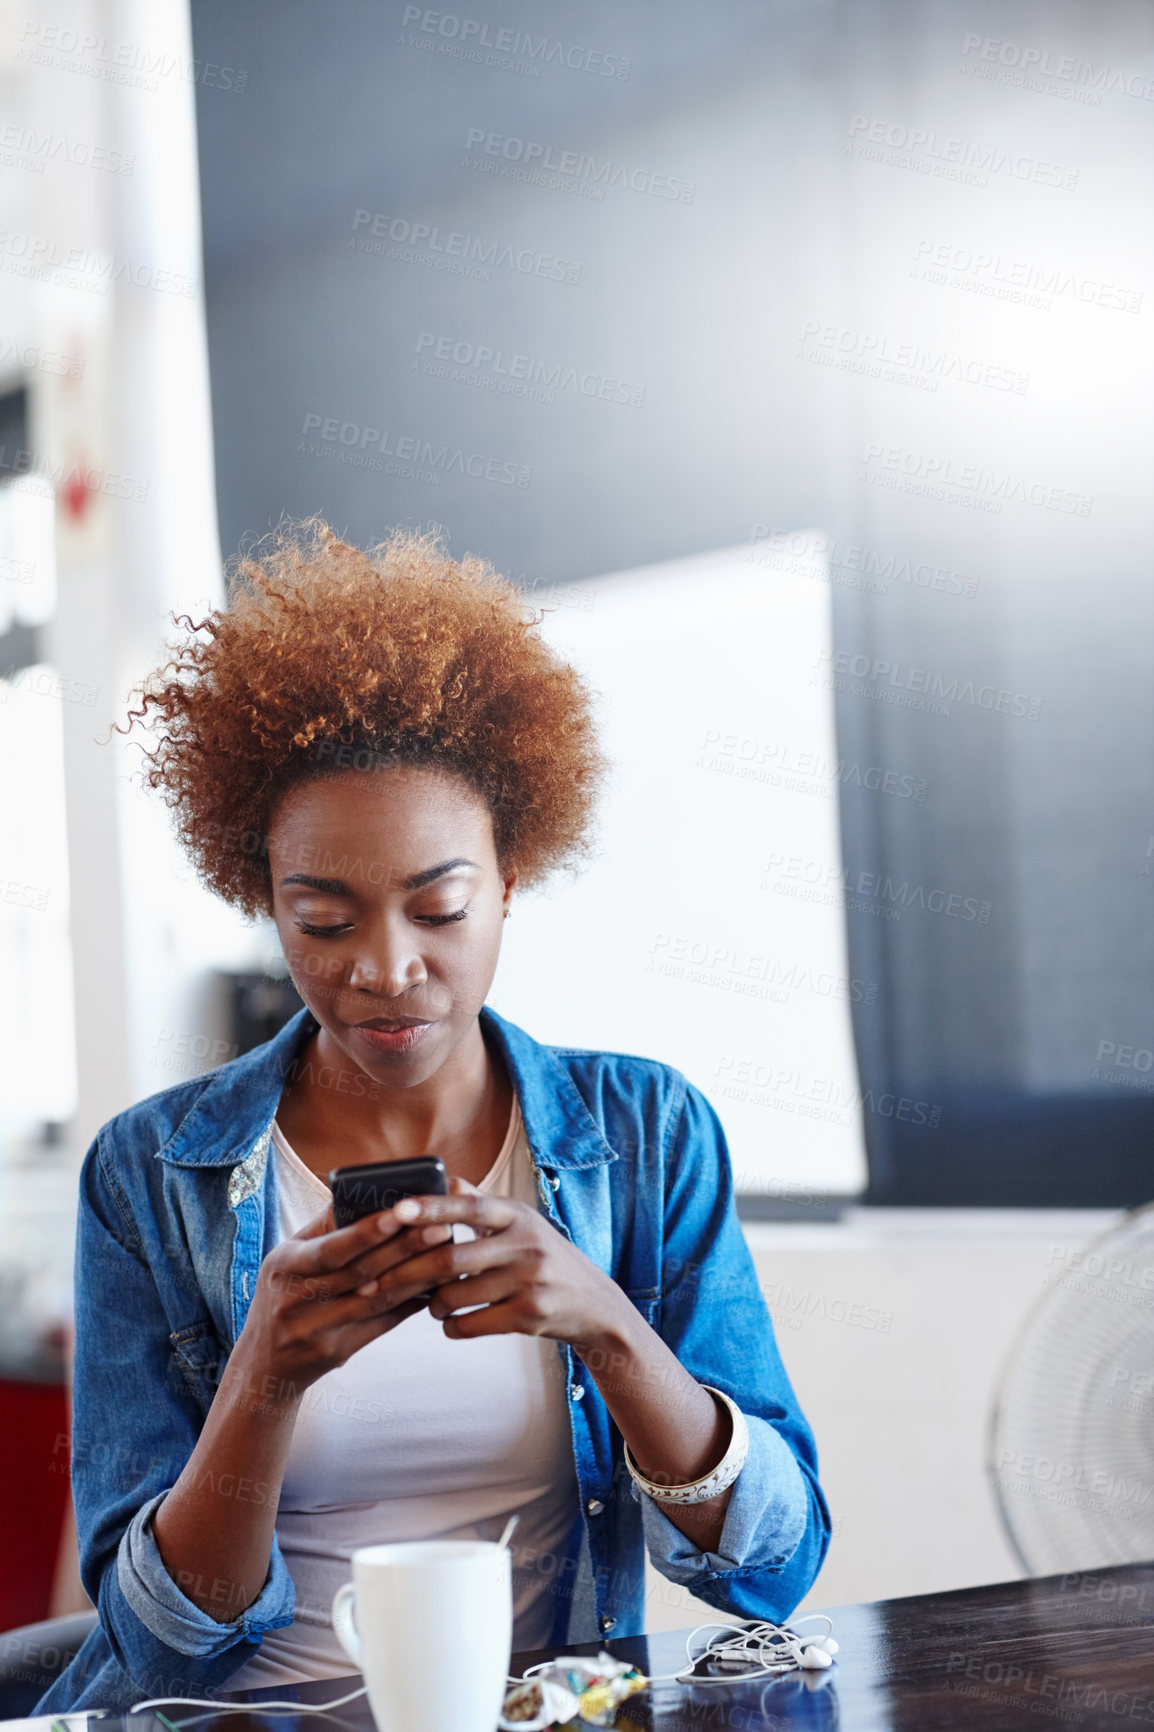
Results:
[196, 1362]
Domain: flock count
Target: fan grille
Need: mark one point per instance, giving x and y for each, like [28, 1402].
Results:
[1072, 1439]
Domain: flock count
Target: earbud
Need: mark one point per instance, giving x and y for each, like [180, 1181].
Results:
[756, 1649]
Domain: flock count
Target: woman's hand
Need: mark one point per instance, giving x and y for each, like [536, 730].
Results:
[307, 1316]
[529, 1279]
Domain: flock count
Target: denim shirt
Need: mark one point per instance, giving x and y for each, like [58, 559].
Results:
[178, 1207]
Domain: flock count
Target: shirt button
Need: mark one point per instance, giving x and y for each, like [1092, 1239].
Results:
[553, 1180]
[594, 1506]
[576, 1391]
[607, 1624]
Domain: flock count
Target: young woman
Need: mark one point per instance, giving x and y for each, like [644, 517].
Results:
[378, 750]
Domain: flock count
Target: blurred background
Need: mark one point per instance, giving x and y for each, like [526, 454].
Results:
[794, 357]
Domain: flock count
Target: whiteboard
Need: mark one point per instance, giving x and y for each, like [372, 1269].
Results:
[709, 932]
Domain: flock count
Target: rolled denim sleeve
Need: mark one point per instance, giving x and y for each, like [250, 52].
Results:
[150, 1592]
[713, 1316]
[135, 1425]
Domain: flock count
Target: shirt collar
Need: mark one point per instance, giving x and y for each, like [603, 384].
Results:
[559, 1128]
[240, 1100]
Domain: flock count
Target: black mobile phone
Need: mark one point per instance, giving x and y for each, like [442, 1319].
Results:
[375, 1187]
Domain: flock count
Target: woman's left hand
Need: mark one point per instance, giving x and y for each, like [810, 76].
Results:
[527, 1277]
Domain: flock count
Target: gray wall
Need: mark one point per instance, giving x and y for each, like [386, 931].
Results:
[900, 209]
[695, 302]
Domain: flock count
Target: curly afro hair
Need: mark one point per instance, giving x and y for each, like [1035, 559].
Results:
[400, 654]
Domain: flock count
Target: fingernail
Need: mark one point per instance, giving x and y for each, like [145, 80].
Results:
[369, 1288]
[385, 1224]
[408, 1209]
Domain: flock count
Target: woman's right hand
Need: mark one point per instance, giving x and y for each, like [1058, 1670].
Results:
[307, 1316]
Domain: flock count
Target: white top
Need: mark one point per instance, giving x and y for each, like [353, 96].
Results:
[419, 1437]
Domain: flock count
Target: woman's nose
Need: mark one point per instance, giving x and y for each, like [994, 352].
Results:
[389, 964]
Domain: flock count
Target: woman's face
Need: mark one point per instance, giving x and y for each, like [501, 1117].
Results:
[388, 901]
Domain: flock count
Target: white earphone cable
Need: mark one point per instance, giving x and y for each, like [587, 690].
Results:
[770, 1648]
[256, 1708]
[767, 1648]
[761, 1649]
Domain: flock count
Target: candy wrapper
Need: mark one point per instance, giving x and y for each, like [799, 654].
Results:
[575, 1687]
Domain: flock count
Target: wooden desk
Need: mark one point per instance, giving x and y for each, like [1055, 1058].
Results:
[1074, 1651]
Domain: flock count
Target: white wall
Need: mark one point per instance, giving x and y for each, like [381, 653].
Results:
[693, 937]
[104, 268]
[900, 1410]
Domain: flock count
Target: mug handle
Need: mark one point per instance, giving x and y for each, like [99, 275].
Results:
[343, 1626]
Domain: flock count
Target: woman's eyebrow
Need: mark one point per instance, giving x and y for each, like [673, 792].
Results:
[420, 879]
[338, 887]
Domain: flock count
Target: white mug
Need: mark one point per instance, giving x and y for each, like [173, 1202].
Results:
[433, 1632]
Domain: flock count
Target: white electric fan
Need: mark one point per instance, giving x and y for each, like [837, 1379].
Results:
[1071, 1444]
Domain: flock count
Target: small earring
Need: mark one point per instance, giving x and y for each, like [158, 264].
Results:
[508, 911]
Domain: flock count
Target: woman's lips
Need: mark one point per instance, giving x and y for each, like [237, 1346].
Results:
[393, 1039]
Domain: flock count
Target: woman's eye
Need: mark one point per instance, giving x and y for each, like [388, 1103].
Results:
[311, 931]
